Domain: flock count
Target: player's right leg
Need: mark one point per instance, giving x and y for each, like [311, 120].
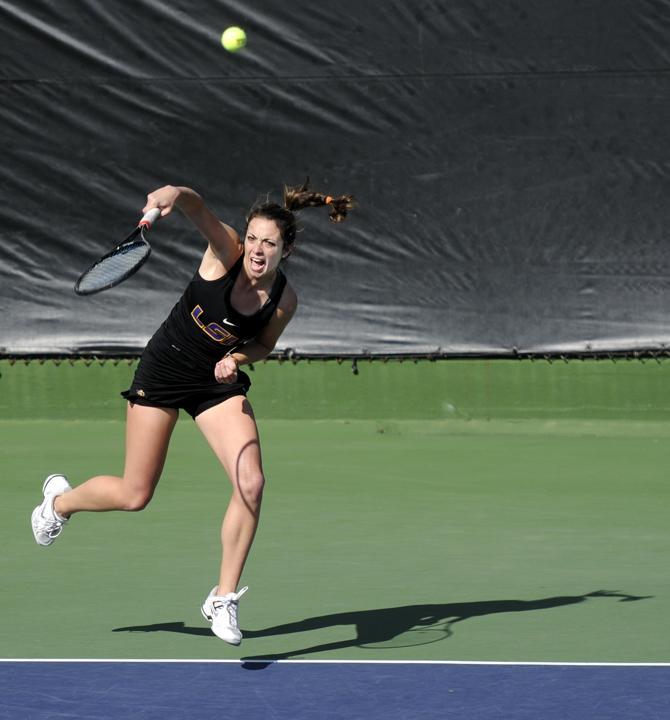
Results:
[148, 432]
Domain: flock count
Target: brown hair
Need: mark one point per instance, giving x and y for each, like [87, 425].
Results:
[297, 198]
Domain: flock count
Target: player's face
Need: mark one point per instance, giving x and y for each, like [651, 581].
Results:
[263, 247]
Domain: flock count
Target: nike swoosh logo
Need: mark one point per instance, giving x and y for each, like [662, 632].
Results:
[227, 322]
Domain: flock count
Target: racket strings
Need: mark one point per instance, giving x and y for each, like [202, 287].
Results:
[114, 267]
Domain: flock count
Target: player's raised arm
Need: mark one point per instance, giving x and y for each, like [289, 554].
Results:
[223, 241]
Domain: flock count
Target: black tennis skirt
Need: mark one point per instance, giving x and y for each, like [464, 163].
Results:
[172, 380]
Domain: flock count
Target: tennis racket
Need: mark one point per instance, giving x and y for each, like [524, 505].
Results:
[120, 263]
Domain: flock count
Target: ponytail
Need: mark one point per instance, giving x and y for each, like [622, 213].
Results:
[297, 198]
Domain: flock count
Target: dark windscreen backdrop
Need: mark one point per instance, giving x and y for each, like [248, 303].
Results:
[511, 161]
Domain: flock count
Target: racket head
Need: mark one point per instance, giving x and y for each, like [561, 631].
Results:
[116, 266]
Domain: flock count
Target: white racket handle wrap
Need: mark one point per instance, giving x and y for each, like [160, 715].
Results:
[150, 218]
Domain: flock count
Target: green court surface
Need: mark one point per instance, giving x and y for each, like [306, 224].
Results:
[474, 510]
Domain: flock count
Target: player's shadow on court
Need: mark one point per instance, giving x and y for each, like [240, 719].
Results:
[406, 626]
[412, 625]
[176, 627]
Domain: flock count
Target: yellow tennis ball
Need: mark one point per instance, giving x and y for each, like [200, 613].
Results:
[233, 39]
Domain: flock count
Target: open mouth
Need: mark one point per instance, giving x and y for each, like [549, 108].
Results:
[257, 263]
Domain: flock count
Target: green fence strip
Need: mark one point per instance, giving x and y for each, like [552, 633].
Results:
[446, 389]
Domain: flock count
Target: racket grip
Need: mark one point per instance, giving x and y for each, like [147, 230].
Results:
[150, 218]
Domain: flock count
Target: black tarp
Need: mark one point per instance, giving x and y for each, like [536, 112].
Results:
[511, 161]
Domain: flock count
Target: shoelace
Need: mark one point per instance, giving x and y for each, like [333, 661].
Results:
[230, 604]
[52, 527]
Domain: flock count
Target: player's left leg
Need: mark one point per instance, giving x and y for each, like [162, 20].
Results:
[230, 430]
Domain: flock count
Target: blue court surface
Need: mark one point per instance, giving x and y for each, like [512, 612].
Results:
[144, 690]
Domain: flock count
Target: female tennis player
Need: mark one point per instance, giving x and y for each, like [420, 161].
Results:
[231, 313]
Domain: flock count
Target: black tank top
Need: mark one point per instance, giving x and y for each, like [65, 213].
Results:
[203, 326]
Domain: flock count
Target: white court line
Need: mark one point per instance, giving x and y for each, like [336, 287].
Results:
[338, 662]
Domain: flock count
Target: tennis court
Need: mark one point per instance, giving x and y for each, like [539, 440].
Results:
[465, 426]
[515, 533]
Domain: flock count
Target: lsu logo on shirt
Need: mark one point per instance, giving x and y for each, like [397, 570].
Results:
[213, 330]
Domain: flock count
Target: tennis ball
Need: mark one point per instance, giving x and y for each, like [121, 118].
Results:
[233, 39]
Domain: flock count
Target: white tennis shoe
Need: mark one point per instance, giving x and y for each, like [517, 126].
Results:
[47, 523]
[221, 611]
